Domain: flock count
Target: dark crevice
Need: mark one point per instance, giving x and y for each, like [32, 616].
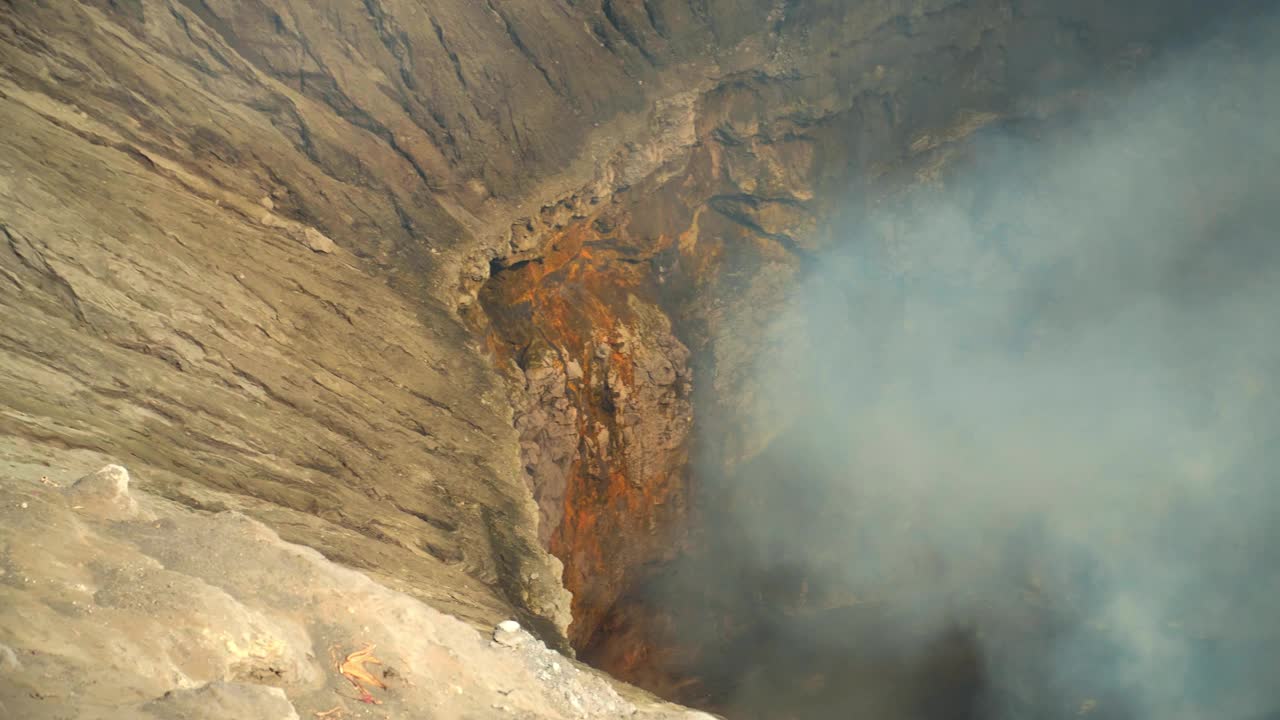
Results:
[623, 28]
[50, 279]
[655, 21]
[435, 522]
[193, 62]
[406, 222]
[333, 96]
[728, 207]
[524, 49]
[453, 414]
[453, 56]
[383, 24]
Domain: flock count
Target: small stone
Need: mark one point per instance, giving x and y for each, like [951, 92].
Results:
[573, 370]
[271, 220]
[508, 634]
[267, 202]
[318, 241]
[105, 493]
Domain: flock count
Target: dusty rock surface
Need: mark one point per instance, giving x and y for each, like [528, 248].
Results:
[169, 302]
[169, 612]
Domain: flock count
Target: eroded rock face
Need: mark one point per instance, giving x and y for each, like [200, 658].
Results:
[200, 208]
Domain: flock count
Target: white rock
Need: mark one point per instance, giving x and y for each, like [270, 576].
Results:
[509, 634]
[105, 493]
[573, 370]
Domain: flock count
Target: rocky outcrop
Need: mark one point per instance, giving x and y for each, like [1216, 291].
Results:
[175, 613]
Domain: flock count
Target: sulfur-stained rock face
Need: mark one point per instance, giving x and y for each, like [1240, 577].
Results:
[605, 412]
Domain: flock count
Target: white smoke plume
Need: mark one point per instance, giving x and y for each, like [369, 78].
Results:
[1040, 402]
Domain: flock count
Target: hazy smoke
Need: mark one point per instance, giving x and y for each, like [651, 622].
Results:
[1038, 404]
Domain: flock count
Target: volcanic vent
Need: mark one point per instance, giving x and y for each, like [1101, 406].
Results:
[795, 404]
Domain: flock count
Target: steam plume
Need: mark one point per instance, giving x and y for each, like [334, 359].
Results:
[1039, 404]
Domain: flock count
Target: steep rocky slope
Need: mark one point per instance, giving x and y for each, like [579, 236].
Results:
[442, 290]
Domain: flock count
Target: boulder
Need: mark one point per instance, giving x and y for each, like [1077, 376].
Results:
[104, 494]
